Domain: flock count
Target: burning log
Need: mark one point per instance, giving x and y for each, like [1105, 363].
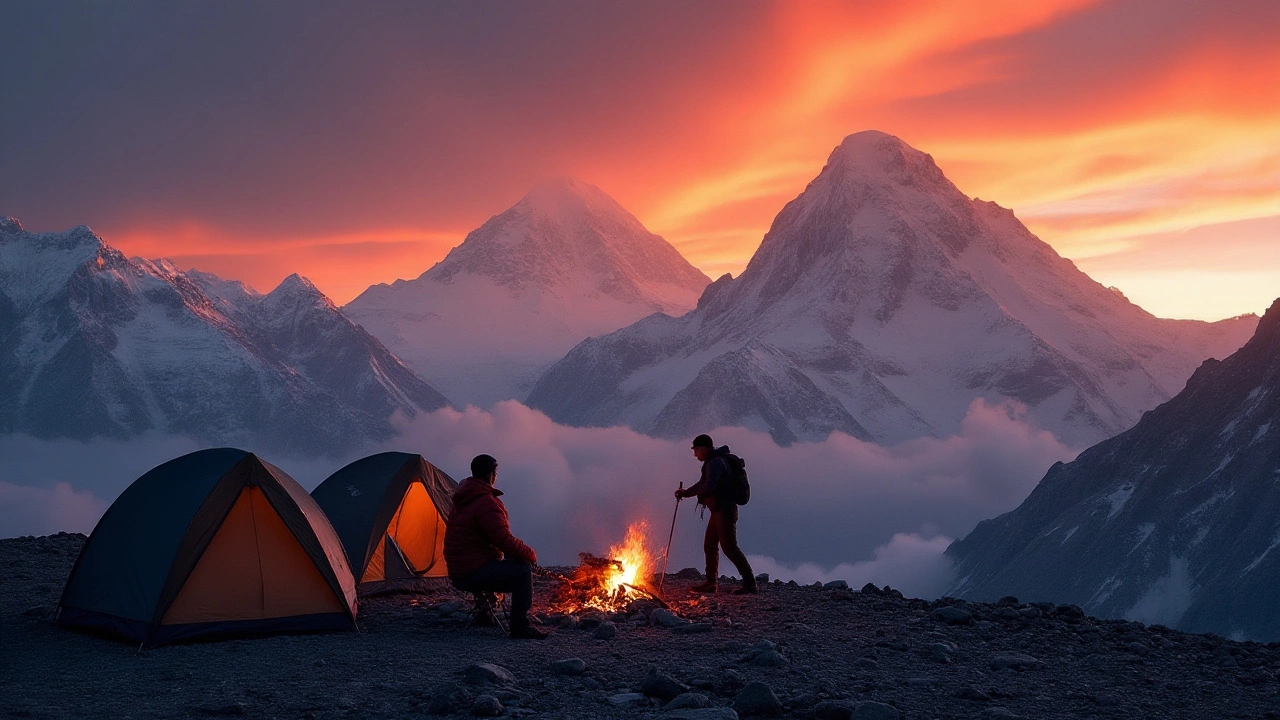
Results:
[608, 584]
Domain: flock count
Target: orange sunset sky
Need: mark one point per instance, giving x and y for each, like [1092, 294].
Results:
[357, 145]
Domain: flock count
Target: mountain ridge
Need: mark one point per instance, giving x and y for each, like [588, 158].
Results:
[901, 300]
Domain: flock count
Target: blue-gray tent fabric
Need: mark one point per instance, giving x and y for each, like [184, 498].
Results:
[123, 567]
[362, 497]
[351, 498]
[151, 538]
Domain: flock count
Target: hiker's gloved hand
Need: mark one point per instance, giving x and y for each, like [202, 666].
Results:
[679, 494]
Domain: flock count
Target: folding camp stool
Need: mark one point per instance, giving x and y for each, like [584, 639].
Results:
[492, 607]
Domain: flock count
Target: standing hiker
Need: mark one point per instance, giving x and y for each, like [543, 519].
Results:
[480, 551]
[717, 490]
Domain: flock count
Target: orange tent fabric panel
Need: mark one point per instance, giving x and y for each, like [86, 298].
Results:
[376, 570]
[254, 568]
[418, 529]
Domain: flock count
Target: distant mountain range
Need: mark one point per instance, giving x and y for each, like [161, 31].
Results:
[93, 344]
[1175, 521]
[563, 264]
[881, 303]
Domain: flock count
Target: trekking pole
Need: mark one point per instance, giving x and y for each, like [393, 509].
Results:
[667, 555]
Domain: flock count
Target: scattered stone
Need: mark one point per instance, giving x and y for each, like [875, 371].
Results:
[571, 666]
[836, 585]
[660, 685]
[605, 631]
[952, 615]
[762, 578]
[487, 706]
[871, 589]
[488, 674]
[1030, 613]
[719, 713]
[569, 622]
[757, 698]
[666, 618]
[769, 658]
[590, 622]
[447, 700]
[871, 710]
[1257, 676]
[1008, 601]
[1015, 661]
[1137, 648]
[1070, 613]
[833, 710]
[942, 651]
[689, 574]
[731, 680]
[449, 608]
[890, 592]
[625, 699]
[689, 700]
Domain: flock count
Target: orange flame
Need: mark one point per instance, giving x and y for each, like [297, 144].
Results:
[633, 556]
[608, 584]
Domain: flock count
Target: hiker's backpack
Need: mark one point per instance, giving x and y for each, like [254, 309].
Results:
[741, 491]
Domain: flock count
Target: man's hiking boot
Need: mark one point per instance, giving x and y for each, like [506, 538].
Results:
[527, 632]
[747, 590]
[706, 587]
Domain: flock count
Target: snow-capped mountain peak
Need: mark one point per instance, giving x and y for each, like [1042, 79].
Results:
[897, 297]
[98, 344]
[562, 264]
[9, 225]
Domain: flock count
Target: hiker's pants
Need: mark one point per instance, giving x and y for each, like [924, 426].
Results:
[506, 576]
[722, 534]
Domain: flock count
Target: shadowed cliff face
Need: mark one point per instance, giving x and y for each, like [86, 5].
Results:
[881, 303]
[1175, 521]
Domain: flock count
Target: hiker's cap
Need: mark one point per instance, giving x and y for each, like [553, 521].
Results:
[703, 441]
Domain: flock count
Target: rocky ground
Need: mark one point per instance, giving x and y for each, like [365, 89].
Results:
[791, 651]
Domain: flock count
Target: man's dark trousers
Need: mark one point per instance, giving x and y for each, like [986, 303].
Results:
[506, 576]
[722, 533]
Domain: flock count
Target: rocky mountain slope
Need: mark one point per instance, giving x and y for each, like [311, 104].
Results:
[563, 264]
[96, 344]
[881, 303]
[1175, 521]
[798, 652]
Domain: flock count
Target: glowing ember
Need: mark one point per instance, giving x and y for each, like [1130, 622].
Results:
[609, 583]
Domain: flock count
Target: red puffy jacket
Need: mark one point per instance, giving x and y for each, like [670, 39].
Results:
[478, 531]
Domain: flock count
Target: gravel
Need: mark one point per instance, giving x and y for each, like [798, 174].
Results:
[824, 652]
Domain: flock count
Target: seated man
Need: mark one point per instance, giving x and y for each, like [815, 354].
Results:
[481, 552]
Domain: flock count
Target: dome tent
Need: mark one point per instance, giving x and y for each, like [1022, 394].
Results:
[216, 542]
[389, 510]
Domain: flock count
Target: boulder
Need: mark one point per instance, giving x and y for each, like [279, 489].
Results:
[688, 700]
[952, 615]
[757, 699]
[488, 674]
[570, 666]
[660, 685]
[487, 706]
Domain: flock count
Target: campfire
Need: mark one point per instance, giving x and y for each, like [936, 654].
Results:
[610, 583]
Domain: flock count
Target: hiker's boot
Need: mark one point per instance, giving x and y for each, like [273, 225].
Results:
[751, 589]
[525, 631]
[706, 587]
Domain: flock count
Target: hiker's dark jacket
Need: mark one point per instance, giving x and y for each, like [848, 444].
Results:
[478, 531]
[716, 482]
